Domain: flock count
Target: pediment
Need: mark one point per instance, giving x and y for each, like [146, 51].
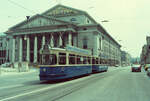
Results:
[61, 10]
[41, 21]
[38, 21]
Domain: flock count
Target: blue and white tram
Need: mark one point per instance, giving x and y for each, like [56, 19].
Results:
[58, 63]
[99, 65]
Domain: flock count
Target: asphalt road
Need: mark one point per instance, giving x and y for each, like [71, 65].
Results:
[118, 84]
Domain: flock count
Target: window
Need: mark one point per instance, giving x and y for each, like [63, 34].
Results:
[89, 60]
[72, 59]
[79, 60]
[1, 45]
[85, 60]
[88, 21]
[96, 61]
[84, 28]
[100, 42]
[49, 59]
[62, 58]
[93, 60]
[85, 43]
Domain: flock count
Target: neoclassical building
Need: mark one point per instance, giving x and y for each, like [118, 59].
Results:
[60, 26]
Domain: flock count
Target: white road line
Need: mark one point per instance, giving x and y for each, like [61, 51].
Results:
[43, 89]
[10, 86]
[36, 91]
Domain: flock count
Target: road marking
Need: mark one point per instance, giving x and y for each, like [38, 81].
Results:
[46, 88]
[10, 86]
[43, 89]
[28, 93]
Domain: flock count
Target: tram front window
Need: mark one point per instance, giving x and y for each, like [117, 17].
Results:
[49, 59]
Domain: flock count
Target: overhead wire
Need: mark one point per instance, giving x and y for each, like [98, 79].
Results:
[31, 11]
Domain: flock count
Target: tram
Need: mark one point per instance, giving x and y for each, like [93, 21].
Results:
[58, 63]
[68, 62]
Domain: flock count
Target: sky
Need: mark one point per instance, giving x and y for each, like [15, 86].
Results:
[128, 20]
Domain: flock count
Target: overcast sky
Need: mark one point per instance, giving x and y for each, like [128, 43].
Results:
[129, 20]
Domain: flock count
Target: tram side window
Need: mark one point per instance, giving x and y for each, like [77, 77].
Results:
[96, 60]
[89, 60]
[100, 61]
[93, 61]
[85, 60]
[62, 58]
[103, 62]
[49, 59]
[79, 60]
[71, 59]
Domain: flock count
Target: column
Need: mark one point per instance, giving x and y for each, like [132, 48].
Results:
[60, 39]
[70, 39]
[28, 49]
[43, 40]
[35, 49]
[20, 49]
[6, 49]
[13, 50]
[52, 41]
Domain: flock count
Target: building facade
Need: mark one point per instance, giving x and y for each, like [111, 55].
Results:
[145, 54]
[125, 58]
[60, 26]
[3, 48]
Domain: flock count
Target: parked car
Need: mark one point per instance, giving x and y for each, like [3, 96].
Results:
[7, 64]
[116, 65]
[148, 71]
[146, 66]
[136, 68]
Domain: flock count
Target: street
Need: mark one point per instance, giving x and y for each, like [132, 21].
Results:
[118, 84]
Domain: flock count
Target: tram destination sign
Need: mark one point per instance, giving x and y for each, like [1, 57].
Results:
[79, 50]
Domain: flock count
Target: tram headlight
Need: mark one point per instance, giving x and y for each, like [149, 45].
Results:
[62, 69]
[43, 70]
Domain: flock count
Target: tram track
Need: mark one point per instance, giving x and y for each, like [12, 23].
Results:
[63, 89]
[76, 88]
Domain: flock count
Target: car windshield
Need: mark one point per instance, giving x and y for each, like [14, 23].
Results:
[136, 66]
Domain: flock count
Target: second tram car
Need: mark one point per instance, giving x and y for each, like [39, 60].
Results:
[63, 63]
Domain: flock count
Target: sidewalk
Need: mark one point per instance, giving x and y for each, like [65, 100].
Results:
[13, 71]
